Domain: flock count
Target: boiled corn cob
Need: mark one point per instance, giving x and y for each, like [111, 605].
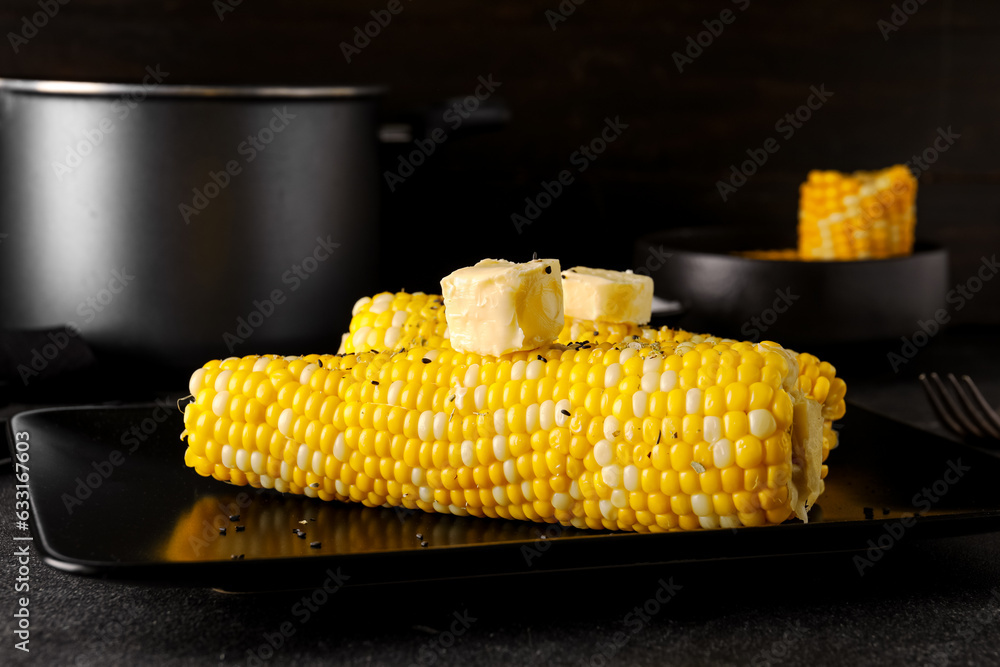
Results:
[401, 320]
[864, 215]
[645, 438]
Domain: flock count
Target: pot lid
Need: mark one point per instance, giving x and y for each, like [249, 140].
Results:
[155, 89]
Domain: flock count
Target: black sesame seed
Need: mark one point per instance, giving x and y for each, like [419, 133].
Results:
[234, 517]
[315, 485]
[658, 436]
[869, 513]
[301, 535]
[375, 382]
[541, 358]
[565, 412]
[315, 545]
[426, 360]
[222, 531]
[237, 557]
[885, 510]
[240, 529]
[420, 536]
[423, 544]
[548, 269]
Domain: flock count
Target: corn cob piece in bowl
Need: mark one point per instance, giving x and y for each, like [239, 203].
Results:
[864, 215]
[650, 439]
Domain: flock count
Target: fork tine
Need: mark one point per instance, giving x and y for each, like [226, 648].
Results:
[970, 427]
[989, 419]
[939, 408]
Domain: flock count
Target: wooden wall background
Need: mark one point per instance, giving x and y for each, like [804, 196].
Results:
[608, 59]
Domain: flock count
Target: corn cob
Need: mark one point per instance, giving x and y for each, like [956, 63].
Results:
[864, 215]
[401, 320]
[651, 439]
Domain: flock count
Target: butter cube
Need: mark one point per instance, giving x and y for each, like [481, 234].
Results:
[496, 306]
[607, 296]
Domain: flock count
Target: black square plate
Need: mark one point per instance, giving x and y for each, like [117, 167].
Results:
[110, 496]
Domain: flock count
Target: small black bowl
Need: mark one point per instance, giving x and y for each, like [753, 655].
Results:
[790, 301]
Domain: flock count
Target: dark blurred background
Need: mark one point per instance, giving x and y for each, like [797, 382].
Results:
[898, 73]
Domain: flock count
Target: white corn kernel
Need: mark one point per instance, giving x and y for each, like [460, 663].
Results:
[395, 390]
[762, 423]
[425, 426]
[440, 425]
[562, 412]
[547, 415]
[222, 380]
[612, 429]
[701, 504]
[242, 460]
[612, 375]
[612, 475]
[603, 453]
[197, 378]
[562, 501]
[693, 401]
[500, 450]
[712, 429]
[468, 453]
[631, 478]
[639, 402]
[668, 380]
[227, 455]
[285, 422]
[723, 453]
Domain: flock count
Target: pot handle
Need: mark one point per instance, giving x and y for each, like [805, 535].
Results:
[454, 116]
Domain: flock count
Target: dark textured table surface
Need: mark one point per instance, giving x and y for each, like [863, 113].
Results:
[925, 602]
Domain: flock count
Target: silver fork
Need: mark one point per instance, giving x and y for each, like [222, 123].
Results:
[975, 418]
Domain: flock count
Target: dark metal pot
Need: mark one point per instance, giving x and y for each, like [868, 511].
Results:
[180, 223]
